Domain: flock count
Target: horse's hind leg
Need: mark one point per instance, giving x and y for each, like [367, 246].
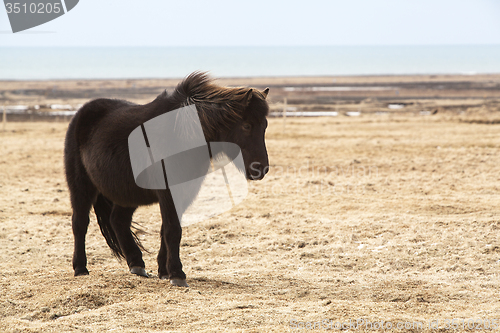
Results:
[82, 194]
[121, 220]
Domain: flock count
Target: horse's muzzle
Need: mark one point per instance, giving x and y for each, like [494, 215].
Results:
[257, 172]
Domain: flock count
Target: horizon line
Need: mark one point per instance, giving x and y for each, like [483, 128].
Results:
[225, 46]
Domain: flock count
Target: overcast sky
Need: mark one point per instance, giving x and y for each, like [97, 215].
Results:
[266, 23]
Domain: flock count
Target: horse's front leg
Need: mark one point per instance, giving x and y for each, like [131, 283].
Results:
[169, 263]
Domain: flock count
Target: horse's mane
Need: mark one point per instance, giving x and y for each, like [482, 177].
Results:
[217, 106]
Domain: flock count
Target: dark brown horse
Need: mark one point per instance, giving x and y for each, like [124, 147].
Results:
[99, 172]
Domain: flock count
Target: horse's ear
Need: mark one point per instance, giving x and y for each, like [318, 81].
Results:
[248, 96]
[265, 92]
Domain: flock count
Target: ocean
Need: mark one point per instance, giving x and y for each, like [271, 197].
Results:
[25, 63]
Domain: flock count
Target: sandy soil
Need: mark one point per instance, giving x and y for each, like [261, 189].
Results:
[382, 217]
[390, 219]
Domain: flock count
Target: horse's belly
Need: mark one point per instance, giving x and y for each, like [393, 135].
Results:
[113, 178]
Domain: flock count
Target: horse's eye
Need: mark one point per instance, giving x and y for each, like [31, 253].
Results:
[247, 127]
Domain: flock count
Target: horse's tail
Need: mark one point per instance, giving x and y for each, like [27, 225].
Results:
[102, 209]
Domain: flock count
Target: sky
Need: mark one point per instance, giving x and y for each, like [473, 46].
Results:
[265, 23]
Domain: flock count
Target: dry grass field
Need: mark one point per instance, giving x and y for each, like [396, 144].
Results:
[391, 217]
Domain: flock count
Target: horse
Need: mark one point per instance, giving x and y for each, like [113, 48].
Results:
[99, 173]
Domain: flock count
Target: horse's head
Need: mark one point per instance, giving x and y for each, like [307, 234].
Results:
[236, 115]
[248, 133]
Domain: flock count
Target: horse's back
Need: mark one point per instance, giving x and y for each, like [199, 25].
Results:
[97, 139]
[90, 115]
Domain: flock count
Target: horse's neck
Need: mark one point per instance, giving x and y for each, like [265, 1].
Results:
[159, 107]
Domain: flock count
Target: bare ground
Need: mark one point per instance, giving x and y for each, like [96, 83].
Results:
[376, 217]
[382, 217]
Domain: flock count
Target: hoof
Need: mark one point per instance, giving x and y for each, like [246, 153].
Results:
[139, 271]
[178, 282]
[81, 271]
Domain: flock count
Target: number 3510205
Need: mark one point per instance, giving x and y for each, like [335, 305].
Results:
[33, 8]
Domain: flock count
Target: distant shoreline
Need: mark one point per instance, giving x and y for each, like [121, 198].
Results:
[264, 77]
[320, 95]
[243, 80]
[63, 63]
